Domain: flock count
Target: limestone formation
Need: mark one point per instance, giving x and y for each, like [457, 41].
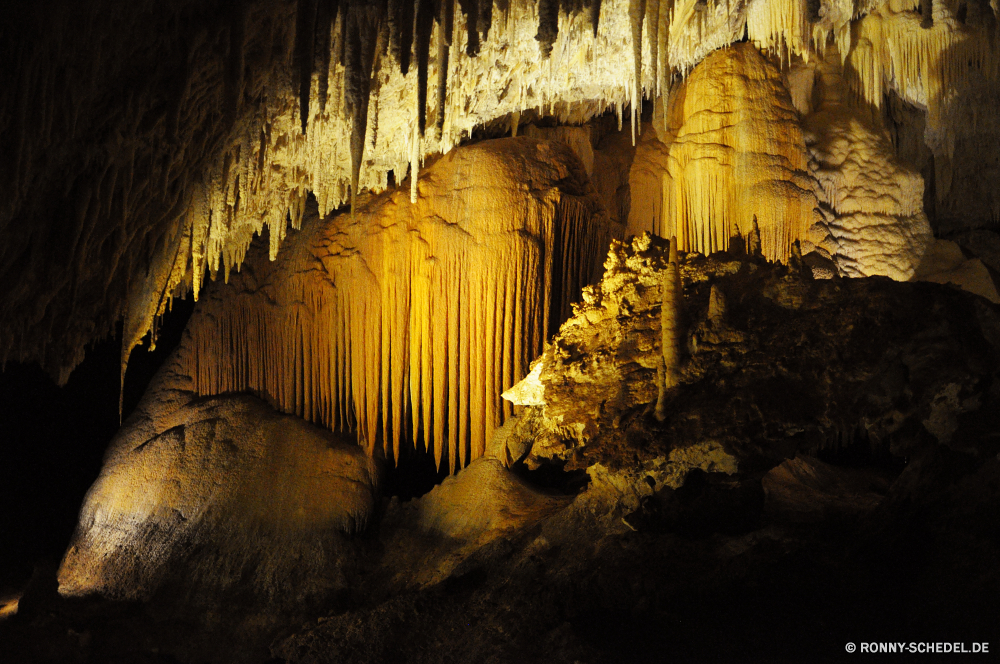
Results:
[220, 497]
[944, 263]
[672, 330]
[599, 375]
[391, 297]
[730, 150]
[926, 62]
[873, 220]
[405, 322]
[244, 113]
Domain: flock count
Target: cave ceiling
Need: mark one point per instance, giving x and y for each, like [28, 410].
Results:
[146, 143]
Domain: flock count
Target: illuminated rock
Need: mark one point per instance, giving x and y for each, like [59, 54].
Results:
[873, 222]
[944, 263]
[529, 391]
[221, 495]
[483, 502]
[730, 150]
[407, 321]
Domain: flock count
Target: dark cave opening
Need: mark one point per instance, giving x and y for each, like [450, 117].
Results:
[56, 438]
[414, 473]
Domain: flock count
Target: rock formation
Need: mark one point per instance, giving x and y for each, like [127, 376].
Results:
[405, 322]
[731, 120]
[249, 108]
[873, 220]
[409, 418]
[221, 497]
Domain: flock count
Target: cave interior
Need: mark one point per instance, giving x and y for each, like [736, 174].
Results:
[499, 330]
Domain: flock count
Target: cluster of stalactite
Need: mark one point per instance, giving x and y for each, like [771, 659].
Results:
[925, 62]
[220, 119]
[732, 156]
[406, 322]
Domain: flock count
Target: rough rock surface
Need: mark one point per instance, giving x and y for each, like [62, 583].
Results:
[637, 565]
[944, 263]
[222, 497]
[650, 533]
[873, 221]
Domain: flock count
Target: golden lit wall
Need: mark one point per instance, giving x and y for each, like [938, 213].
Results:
[406, 321]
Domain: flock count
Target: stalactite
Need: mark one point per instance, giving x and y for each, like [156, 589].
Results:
[663, 48]
[733, 149]
[779, 27]
[652, 23]
[326, 15]
[923, 66]
[413, 317]
[595, 15]
[422, 27]
[471, 10]
[305, 26]
[446, 23]
[352, 143]
[637, 13]
[485, 21]
[363, 29]
[548, 26]
[396, 21]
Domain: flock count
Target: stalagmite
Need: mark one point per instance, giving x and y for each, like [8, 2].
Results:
[406, 322]
[716, 307]
[753, 240]
[732, 151]
[671, 330]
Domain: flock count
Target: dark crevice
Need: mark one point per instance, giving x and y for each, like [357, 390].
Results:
[55, 440]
